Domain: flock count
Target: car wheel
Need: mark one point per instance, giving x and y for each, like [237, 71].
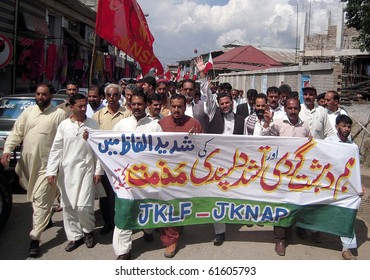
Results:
[6, 200]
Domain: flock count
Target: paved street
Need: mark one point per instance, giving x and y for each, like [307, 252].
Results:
[242, 243]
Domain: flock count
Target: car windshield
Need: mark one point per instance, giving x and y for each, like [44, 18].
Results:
[11, 108]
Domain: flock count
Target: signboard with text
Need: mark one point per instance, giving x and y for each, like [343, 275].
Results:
[167, 179]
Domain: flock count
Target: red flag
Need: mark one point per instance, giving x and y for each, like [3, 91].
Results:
[178, 76]
[186, 76]
[168, 75]
[194, 77]
[123, 24]
[209, 64]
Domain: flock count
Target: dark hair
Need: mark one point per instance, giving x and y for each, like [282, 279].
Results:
[188, 81]
[343, 119]
[285, 88]
[178, 96]
[172, 84]
[94, 87]
[252, 93]
[45, 86]
[227, 86]
[72, 83]
[150, 80]
[224, 94]
[336, 96]
[320, 96]
[261, 96]
[154, 97]
[139, 92]
[73, 99]
[273, 89]
[294, 94]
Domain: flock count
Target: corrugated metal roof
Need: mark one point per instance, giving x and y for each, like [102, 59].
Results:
[285, 56]
[247, 55]
[238, 67]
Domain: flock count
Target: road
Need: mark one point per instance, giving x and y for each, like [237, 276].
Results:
[242, 243]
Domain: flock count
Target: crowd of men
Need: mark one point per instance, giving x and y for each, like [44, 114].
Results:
[57, 161]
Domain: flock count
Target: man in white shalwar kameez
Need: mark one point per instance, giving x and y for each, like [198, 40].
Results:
[74, 163]
[343, 126]
[138, 122]
[36, 128]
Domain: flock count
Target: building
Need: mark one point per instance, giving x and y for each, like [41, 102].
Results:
[328, 61]
[52, 42]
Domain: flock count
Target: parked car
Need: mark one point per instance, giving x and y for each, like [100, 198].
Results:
[10, 109]
[6, 198]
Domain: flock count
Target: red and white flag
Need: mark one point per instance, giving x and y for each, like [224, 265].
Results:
[168, 75]
[209, 63]
[139, 77]
[178, 76]
[122, 23]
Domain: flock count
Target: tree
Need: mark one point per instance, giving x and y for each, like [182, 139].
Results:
[357, 16]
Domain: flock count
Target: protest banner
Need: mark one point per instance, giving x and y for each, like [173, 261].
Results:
[167, 179]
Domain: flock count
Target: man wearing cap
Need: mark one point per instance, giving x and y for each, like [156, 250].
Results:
[315, 115]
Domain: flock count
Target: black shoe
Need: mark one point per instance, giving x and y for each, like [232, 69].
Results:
[89, 239]
[34, 249]
[106, 229]
[148, 237]
[219, 239]
[74, 245]
[126, 256]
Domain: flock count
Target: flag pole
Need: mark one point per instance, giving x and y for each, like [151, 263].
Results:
[92, 61]
[213, 68]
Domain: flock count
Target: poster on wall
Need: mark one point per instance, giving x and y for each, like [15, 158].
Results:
[305, 80]
[6, 51]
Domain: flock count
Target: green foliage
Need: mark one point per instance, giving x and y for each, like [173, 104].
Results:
[358, 16]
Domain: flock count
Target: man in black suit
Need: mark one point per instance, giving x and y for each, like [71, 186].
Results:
[247, 109]
[222, 121]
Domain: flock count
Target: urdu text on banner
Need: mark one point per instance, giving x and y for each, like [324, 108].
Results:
[166, 179]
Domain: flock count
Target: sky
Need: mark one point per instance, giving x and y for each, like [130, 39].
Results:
[180, 26]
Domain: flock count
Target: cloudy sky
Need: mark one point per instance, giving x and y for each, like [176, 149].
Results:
[180, 26]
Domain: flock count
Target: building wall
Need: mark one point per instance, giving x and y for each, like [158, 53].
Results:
[328, 41]
[324, 76]
[7, 30]
[61, 11]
